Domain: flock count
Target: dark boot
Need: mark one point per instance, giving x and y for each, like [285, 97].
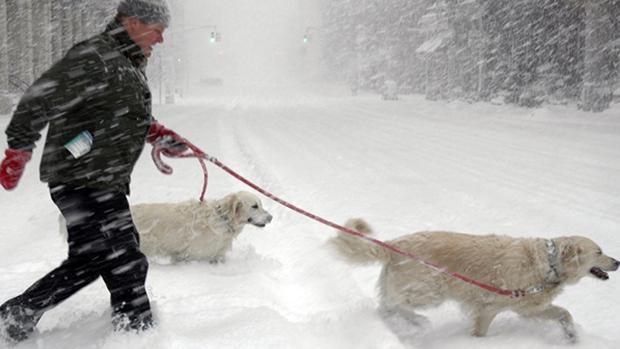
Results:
[131, 308]
[124, 322]
[17, 322]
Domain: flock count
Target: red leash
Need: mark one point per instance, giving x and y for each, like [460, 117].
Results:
[159, 149]
[200, 155]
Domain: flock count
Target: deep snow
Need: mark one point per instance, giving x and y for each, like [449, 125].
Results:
[405, 165]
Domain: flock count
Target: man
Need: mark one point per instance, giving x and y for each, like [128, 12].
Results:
[97, 104]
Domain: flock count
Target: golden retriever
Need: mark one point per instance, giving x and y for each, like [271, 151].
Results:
[542, 266]
[194, 230]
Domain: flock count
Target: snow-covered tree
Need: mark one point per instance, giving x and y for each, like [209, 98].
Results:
[600, 55]
[19, 20]
[524, 51]
[5, 101]
[4, 57]
[41, 35]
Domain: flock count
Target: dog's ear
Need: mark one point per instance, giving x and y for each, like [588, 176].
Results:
[234, 205]
[568, 252]
[229, 205]
[237, 206]
[570, 256]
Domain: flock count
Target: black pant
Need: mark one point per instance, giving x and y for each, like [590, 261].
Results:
[103, 241]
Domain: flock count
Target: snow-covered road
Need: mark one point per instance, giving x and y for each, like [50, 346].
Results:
[404, 166]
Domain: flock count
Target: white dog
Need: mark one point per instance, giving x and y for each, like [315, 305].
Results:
[194, 230]
[543, 266]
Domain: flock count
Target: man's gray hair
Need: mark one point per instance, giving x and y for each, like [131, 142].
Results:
[147, 11]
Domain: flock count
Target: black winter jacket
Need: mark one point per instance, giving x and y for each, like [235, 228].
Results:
[100, 87]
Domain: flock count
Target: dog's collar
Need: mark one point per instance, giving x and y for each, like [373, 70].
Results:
[552, 277]
[553, 274]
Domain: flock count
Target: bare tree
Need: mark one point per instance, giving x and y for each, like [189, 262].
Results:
[598, 77]
[100, 12]
[56, 30]
[5, 101]
[4, 57]
[79, 18]
[66, 24]
[42, 43]
[36, 33]
[19, 22]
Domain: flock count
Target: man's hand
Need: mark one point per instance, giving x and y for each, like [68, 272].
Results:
[12, 167]
[157, 131]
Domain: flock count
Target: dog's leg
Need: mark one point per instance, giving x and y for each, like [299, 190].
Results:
[409, 313]
[561, 315]
[404, 323]
[482, 321]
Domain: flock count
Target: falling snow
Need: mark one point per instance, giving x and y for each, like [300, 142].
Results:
[460, 115]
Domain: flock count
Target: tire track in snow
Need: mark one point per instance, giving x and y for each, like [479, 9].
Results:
[447, 147]
[258, 171]
[294, 241]
[444, 146]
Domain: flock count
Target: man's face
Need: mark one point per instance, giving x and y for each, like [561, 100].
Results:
[145, 35]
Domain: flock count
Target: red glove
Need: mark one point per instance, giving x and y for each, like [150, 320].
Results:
[167, 142]
[12, 167]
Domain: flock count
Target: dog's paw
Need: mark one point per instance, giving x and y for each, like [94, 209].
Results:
[217, 260]
[570, 333]
[404, 324]
[571, 337]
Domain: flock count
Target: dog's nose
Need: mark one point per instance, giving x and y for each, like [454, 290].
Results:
[270, 217]
[616, 264]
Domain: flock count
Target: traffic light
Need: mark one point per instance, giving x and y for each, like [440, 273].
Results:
[215, 37]
[306, 38]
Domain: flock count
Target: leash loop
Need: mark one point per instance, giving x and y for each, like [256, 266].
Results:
[191, 152]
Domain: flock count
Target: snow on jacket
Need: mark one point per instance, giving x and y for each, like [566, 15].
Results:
[99, 87]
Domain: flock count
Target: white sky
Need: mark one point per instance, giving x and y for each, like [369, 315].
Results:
[259, 43]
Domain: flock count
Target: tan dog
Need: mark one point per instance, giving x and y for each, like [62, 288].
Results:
[540, 265]
[194, 230]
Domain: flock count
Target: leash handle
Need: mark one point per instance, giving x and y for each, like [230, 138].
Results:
[159, 163]
[191, 152]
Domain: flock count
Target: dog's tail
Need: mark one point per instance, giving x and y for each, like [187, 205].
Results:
[358, 250]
